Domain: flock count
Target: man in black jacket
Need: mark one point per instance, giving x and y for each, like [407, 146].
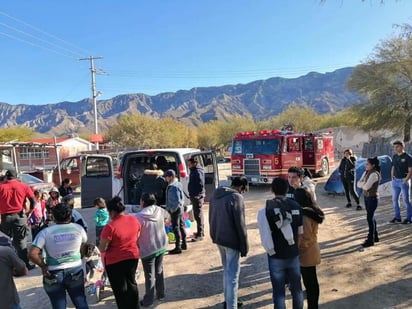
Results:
[228, 231]
[197, 194]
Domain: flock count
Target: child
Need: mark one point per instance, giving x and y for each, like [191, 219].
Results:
[101, 217]
[38, 215]
[88, 252]
[76, 215]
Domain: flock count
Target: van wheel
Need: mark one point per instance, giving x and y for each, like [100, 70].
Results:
[324, 168]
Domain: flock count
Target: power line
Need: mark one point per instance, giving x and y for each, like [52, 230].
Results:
[83, 51]
[33, 44]
[39, 39]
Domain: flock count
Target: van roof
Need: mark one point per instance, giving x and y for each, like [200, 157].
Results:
[178, 150]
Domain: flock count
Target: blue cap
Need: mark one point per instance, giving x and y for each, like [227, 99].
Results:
[170, 173]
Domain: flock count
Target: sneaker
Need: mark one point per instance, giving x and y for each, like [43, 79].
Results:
[31, 266]
[143, 304]
[175, 251]
[348, 205]
[359, 207]
[197, 238]
[161, 297]
[239, 304]
[406, 221]
[367, 243]
[395, 220]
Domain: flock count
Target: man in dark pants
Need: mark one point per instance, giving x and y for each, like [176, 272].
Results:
[197, 194]
[13, 195]
[174, 205]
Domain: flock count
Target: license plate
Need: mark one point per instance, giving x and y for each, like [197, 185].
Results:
[254, 179]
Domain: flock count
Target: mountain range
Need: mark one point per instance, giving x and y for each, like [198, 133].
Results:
[261, 99]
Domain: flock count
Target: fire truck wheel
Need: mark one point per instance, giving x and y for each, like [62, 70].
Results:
[325, 168]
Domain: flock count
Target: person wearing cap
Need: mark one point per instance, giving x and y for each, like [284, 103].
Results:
[13, 209]
[65, 187]
[227, 228]
[174, 204]
[61, 264]
[401, 173]
[197, 194]
[76, 216]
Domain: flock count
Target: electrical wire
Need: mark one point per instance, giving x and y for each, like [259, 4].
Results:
[80, 51]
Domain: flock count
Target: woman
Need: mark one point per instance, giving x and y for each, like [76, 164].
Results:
[62, 266]
[118, 242]
[347, 174]
[153, 244]
[309, 252]
[369, 183]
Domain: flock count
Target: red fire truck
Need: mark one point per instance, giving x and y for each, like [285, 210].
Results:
[266, 154]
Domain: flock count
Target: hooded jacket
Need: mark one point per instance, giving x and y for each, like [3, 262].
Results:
[227, 225]
[153, 182]
[196, 184]
[153, 240]
[309, 251]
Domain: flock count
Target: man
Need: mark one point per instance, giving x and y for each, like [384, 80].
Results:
[401, 173]
[76, 215]
[298, 179]
[10, 265]
[228, 232]
[65, 188]
[62, 265]
[174, 204]
[13, 209]
[197, 194]
[280, 227]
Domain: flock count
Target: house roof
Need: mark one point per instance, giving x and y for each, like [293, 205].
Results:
[59, 140]
[49, 140]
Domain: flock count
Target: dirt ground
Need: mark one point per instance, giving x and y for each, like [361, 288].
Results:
[350, 276]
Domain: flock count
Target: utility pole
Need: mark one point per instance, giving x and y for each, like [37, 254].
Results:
[95, 94]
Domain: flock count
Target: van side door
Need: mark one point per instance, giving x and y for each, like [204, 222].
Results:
[207, 159]
[96, 179]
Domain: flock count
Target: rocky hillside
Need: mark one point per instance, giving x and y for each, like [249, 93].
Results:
[261, 99]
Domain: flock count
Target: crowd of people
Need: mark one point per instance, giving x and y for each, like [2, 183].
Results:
[288, 227]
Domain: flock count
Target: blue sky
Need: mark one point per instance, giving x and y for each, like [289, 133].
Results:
[157, 46]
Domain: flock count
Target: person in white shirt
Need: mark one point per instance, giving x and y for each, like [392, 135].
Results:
[369, 183]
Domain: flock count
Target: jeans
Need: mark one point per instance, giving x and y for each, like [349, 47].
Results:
[371, 203]
[349, 186]
[398, 188]
[15, 226]
[310, 280]
[280, 270]
[153, 277]
[70, 280]
[197, 204]
[178, 227]
[231, 270]
[122, 279]
[99, 230]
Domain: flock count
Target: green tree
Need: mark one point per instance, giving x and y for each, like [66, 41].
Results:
[19, 134]
[385, 80]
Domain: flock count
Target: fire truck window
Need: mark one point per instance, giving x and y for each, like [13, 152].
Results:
[265, 147]
[293, 144]
[237, 147]
[320, 144]
[308, 144]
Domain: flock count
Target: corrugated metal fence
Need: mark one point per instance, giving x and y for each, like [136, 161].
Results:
[381, 147]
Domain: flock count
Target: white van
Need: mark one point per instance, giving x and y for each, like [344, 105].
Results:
[132, 166]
